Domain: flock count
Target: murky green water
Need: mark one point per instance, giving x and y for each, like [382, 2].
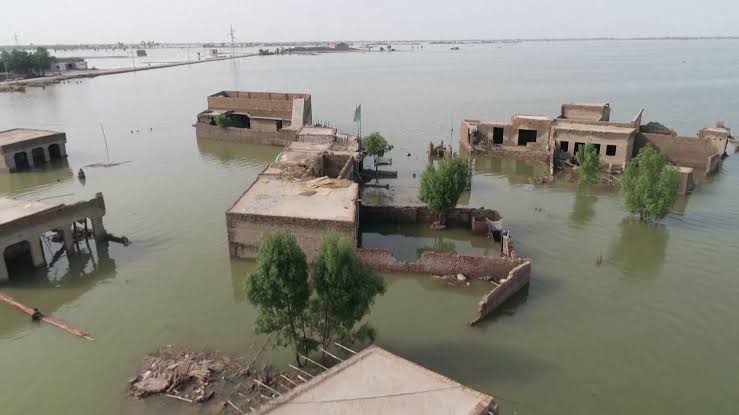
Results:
[651, 330]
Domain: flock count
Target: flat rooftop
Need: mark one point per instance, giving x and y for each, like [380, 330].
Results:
[376, 381]
[328, 131]
[533, 117]
[17, 135]
[596, 128]
[589, 104]
[14, 209]
[271, 195]
[262, 95]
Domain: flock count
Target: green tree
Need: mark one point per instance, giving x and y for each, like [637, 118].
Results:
[441, 186]
[649, 186]
[376, 146]
[22, 62]
[345, 289]
[41, 60]
[280, 289]
[224, 120]
[589, 161]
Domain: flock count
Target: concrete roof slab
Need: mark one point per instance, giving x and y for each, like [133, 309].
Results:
[376, 381]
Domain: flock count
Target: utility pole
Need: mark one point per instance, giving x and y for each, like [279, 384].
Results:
[232, 36]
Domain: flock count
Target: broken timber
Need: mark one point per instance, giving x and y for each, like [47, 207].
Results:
[48, 319]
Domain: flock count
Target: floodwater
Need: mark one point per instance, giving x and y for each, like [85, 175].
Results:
[651, 330]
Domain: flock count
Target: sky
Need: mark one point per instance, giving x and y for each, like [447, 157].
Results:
[105, 21]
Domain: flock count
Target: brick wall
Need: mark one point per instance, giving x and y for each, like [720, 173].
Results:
[245, 135]
[682, 151]
[441, 263]
[457, 217]
[245, 232]
[516, 279]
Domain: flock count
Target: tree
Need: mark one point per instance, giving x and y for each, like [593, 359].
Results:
[22, 62]
[41, 60]
[224, 120]
[441, 186]
[589, 161]
[376, 146]
[649, 186]
[345, 289]
[280, 289]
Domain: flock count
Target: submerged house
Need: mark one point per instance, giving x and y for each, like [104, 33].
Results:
[308, 191]
[546, 138]
[22, 148]
[255, 117]
[22, 224]
[375, 381]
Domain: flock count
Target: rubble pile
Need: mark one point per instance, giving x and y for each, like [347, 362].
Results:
[207, 377]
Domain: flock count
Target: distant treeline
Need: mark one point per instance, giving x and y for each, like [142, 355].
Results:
[24, 63]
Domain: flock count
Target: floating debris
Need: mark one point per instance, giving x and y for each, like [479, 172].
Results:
[107, 164]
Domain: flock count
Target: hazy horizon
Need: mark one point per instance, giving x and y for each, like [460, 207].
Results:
[88, 21]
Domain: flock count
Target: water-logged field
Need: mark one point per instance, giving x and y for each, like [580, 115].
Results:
[652, 330]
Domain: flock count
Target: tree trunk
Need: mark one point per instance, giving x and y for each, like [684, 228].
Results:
[442, 219]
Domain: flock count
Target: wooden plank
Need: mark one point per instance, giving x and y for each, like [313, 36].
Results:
[47, 319]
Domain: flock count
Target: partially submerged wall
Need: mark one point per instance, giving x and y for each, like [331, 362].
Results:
[441, 263]
[508, 271]
[245, 232]
[516, 279]
[457, 217]
[683, 151]
[245, 135]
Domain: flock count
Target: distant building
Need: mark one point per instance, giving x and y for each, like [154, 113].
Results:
[22, 148]
[375, 381]
[255, 117]
[67, 64]
[545, 138]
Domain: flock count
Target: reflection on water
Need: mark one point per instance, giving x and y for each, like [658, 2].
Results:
[640, 248]
[517, 172]
[59, 284]
[56, 172]
[409, 242]
[583, 210]
[240, 269]
[172, 286]
[228, 152]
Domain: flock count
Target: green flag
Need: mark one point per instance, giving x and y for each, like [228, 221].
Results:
[358, 113]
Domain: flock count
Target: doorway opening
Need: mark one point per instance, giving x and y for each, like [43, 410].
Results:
[498, 133]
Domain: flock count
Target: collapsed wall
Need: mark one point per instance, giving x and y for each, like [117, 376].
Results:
[683, 151]
[505, 288]
[441, 263]
[507, 272]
